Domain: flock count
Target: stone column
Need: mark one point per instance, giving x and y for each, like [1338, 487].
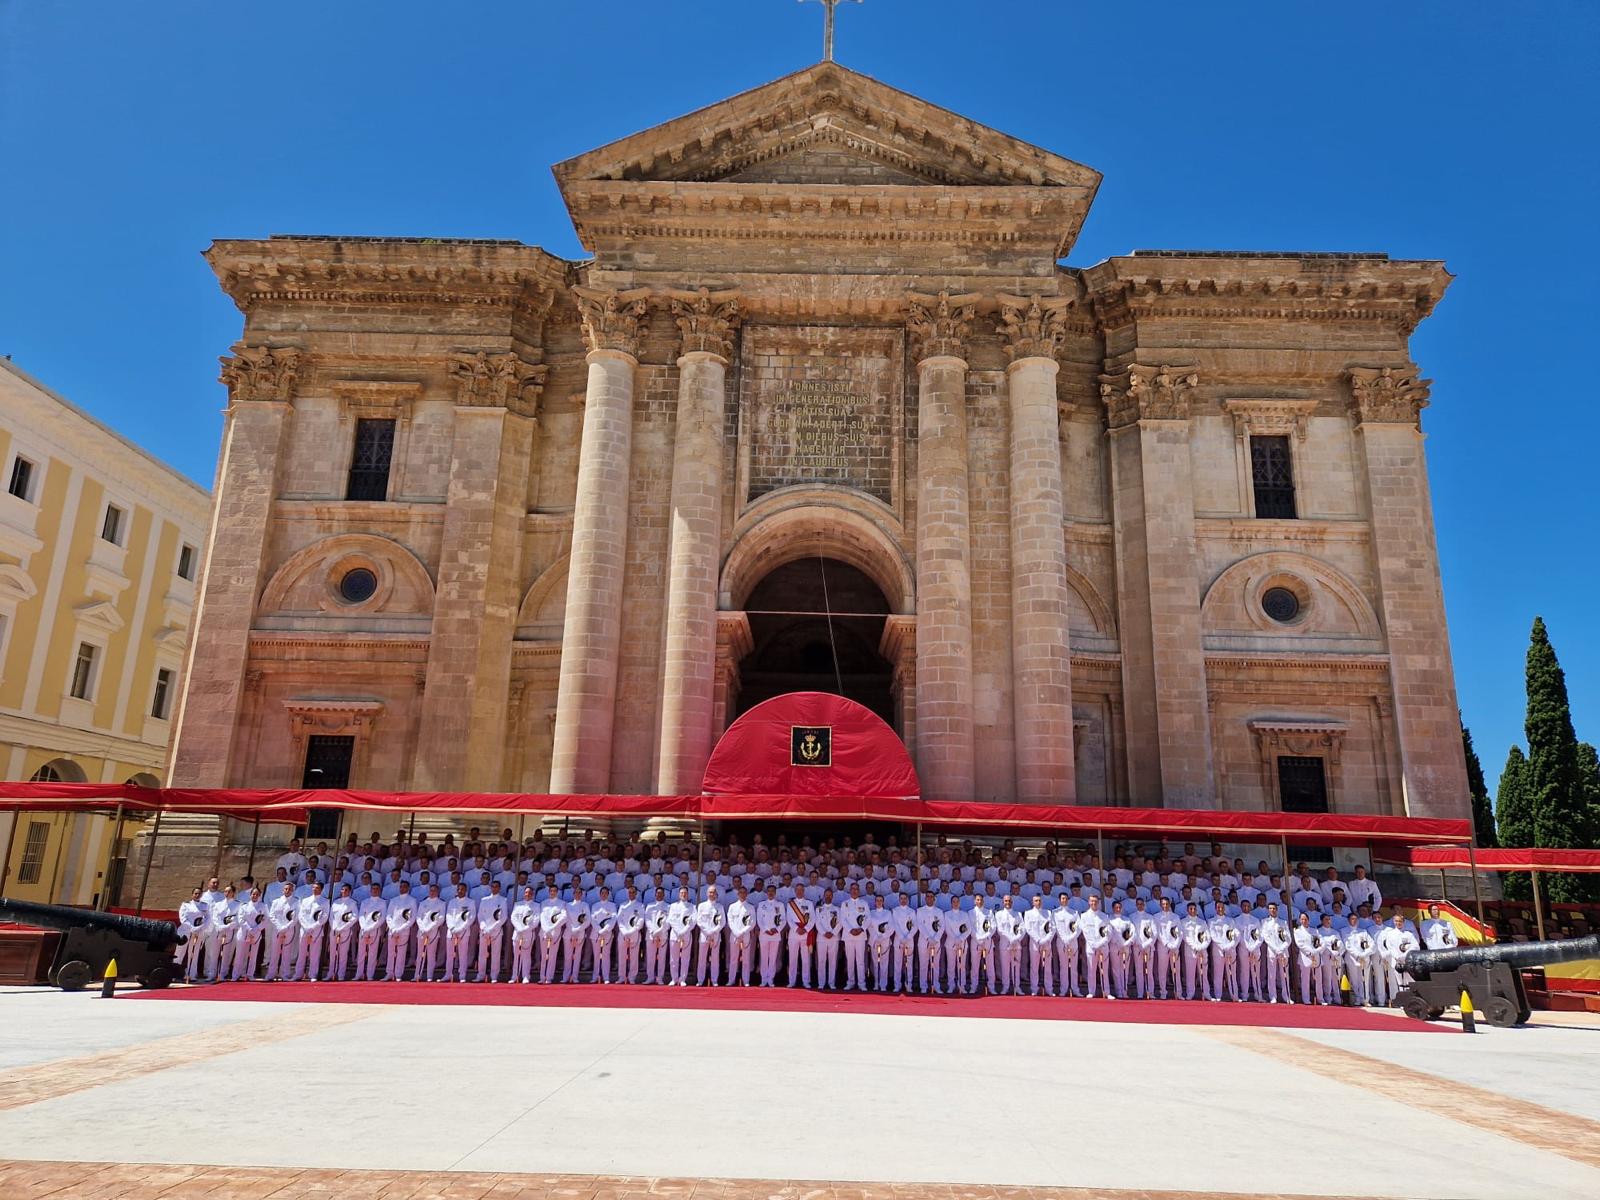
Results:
[580, 760]
[261, 383]
[944, 720]
[1388, 403]
[1041, 656]
[1158, 587]
[689, 668]
[464, 727]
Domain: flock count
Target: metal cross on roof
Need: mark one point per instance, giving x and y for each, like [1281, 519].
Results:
[827, 26]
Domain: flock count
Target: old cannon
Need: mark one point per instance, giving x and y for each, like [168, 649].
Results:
[1491, 975]
[90, 940]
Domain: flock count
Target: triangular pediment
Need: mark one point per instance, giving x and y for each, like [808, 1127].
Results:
[813, 127]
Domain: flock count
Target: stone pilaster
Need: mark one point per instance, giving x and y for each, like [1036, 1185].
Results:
[261, 384]
[1387, 406]
[464, 727]
[586, 693]
[1041, 658]
[946, 752]
[1158, 591]
[688, 699]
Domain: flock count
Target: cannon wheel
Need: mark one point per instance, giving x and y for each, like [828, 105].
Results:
[1415, 1007]
[1497, 1010]
[74, 976]
[157, 978]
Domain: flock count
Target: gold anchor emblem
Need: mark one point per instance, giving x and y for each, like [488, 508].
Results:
[810, 748]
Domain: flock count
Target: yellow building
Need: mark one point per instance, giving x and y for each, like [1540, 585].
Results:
[100, 545]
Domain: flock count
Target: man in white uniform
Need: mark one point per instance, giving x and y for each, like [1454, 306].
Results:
[342, 914]
[312, 915]
[802, 936]
[524, 932]
[221, 916]
[399, 921]
[680, 927]
[903, 917]
[1438, 933]
[492, 913]
[1224, 955]
[710, 919]
[930, 944]
[656, 935]
[552, 932]
[250, 920]
[1249, 954]
[1144, 952]
[985, 958]
[880, 942]
[192, 927]
[1196, 954]
[853, 916]
[1395, 941]
[603, 932]
[1040, 934]
[630, 931]
[769, 938]
[1307, 946]
[1169, 952]
[1122, 937]
[1275, 943]
[830, 930]
[1359, 948]
[460, 915]
[741, 935]
[957, 945]
[430, 932]
[282, 922]
[1330, 960]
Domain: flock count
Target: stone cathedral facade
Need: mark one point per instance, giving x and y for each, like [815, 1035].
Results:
[824, 411]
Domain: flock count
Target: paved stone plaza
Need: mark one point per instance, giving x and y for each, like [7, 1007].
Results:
[434, 1100]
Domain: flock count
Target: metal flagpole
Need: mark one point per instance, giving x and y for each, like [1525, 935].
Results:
[105, 884]
[149, 858]
[255, 832]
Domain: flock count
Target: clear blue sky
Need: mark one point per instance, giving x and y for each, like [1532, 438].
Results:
[133, 134]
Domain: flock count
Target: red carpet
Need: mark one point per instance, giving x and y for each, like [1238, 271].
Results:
[725, 999]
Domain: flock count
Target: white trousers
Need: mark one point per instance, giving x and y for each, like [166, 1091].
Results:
[827, 961]
[339, 954]
[427, 954]
[799, 961]
[1067, 964]
[628, 958]
[522, 956]
[572, 947]
[280, 954]
[855, 961]
[1277, 976]
[678, 952]
[928, 953]
[549, 956]
[710, 953]
[771, 948]
[308, 962]
[739, 955]
[1040, 959]
[394, 965]
[219, 953]
[244, 954]
[655, 960]
[600, 947]
[457, 955]
[489, 953]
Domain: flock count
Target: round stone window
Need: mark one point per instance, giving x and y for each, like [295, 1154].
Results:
[357, 585]
[1280, 604]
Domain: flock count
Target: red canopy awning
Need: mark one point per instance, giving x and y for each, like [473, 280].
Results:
[1532, 858]
[811, 744]
[289, 806]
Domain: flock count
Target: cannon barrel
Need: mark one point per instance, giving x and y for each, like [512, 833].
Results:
[1513, 954]
[63, 917]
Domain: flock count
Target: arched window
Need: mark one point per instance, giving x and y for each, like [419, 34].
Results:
[45, 774]
[59, 770]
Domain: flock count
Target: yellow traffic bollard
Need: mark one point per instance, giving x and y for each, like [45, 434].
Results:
[1468, 1025]
[109, 987]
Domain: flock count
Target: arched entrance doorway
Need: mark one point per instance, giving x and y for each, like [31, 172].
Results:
[816, 625]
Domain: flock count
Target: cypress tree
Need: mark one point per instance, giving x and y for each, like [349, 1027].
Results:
[1514, 820]
[1478, 788]
[1554, 785]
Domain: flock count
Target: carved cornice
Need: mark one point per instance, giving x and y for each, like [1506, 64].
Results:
[1384, 395]
[261, 372]
[1031, 326]
[1141, 393]
[706, 319]
[485, 380]
[612, 320]
[1269, 416]
[939, 324]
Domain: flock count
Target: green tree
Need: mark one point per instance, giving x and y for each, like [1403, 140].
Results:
[1554, 784]
[1513, 815]
[1478, 788]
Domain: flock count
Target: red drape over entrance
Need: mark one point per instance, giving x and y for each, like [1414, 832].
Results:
[811, 744]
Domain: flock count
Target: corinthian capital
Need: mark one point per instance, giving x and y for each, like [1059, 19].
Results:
[1031, 326]
[1142, 393]
[939, 324]
[1385, 395]
[612, 320]
[485, 380]
[707, 320]
[261, 372]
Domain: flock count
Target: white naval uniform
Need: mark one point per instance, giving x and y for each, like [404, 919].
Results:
[192, 924]
[552, 925]
[1306, 944]
[282, 922]
[250, 920]
[1121, 953]
[798, 919]
[1095, 929]
[398, 921]
[741, 926]
[342, 926]
[769, 938]
[710, 919]
[370, 916]
[1196, 957]
[1037, 927]
[680, 928]
[524, 932]
[1009, 936]
[1393, 945]
[930, 931]
[1330, 958]
[830, 929]
[880, 945]
[1438, 934]
[985, 958]
[430, 932]
[1169, 955]
[220, 919]
[1250, 979]
[1144, 953]
[957, 945]
[853, 916]
[904, 919]
[1224, 955]
[602, 935]
[1064, 925]
[1275, 940]
[312, 915]
[1359, 948]
[630, 931]
[492, 913]
[460, 915]
[656, 936]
